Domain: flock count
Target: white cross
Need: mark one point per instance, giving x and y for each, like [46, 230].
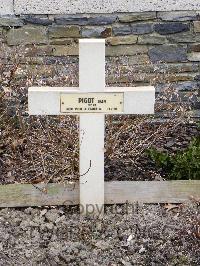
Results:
[59, 101]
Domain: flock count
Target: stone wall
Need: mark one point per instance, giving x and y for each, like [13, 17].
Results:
[156, 47]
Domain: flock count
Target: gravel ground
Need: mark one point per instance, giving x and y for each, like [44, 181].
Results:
[127, 235]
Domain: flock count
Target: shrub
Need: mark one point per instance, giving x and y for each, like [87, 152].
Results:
[182, 165]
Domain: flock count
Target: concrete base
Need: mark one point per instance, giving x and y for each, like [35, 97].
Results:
[6, 7]
[100, 6]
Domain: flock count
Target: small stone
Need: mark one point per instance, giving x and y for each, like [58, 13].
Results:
[135, 61]
[141, 28]
[27, 35]
[43, 212]
[61, 60]
[5, 236]
[61, 219]
[186, 86]
[61, 41]
[28, 254]
[103, 245]
[197, 77]
[152, 39]
[180, 86]
[178, 68]
[194, 57]
[28, 210]
[54, 248]
[42, 50]
[130, 238]
[194, 47]
[183, 37]
[52, 215]
[178, 77]
[158, 177]
[121, 50]
[138, 16]
[133, 77]
[85, 20]
[171, 28]
[126, 263]
[142, 250]
[11, 21]
[122, 30]
[72, 20]
[102, 20]
[197, 26]
[38, 21]
[178, 15]
[16, 221]
[24, 225]
[64, 32]
[34, 224]
[139, 59]
[49, 226]
[96, 32]
[168, 53]
[132, 39]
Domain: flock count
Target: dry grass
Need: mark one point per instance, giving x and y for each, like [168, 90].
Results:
[35, 149]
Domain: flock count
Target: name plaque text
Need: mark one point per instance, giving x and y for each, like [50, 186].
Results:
[105, 102]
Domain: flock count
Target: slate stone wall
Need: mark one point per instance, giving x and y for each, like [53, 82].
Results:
[159, 48]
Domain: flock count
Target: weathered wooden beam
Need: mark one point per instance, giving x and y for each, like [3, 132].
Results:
[24, 195]
[151, 191]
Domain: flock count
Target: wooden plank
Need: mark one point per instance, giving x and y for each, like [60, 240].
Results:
[92, 159]
[151, 191]
[46, 100]
[91, 131]
[23, 195]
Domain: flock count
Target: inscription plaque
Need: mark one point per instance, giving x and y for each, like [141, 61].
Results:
[107, 102]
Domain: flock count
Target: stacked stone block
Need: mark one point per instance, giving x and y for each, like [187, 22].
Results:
[158, 48]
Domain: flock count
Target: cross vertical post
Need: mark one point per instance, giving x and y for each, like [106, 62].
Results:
[91, 79]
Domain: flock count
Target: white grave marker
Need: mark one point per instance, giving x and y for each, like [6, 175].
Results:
[92, 100]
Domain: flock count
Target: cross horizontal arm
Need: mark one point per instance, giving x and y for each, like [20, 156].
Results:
[47, 100]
